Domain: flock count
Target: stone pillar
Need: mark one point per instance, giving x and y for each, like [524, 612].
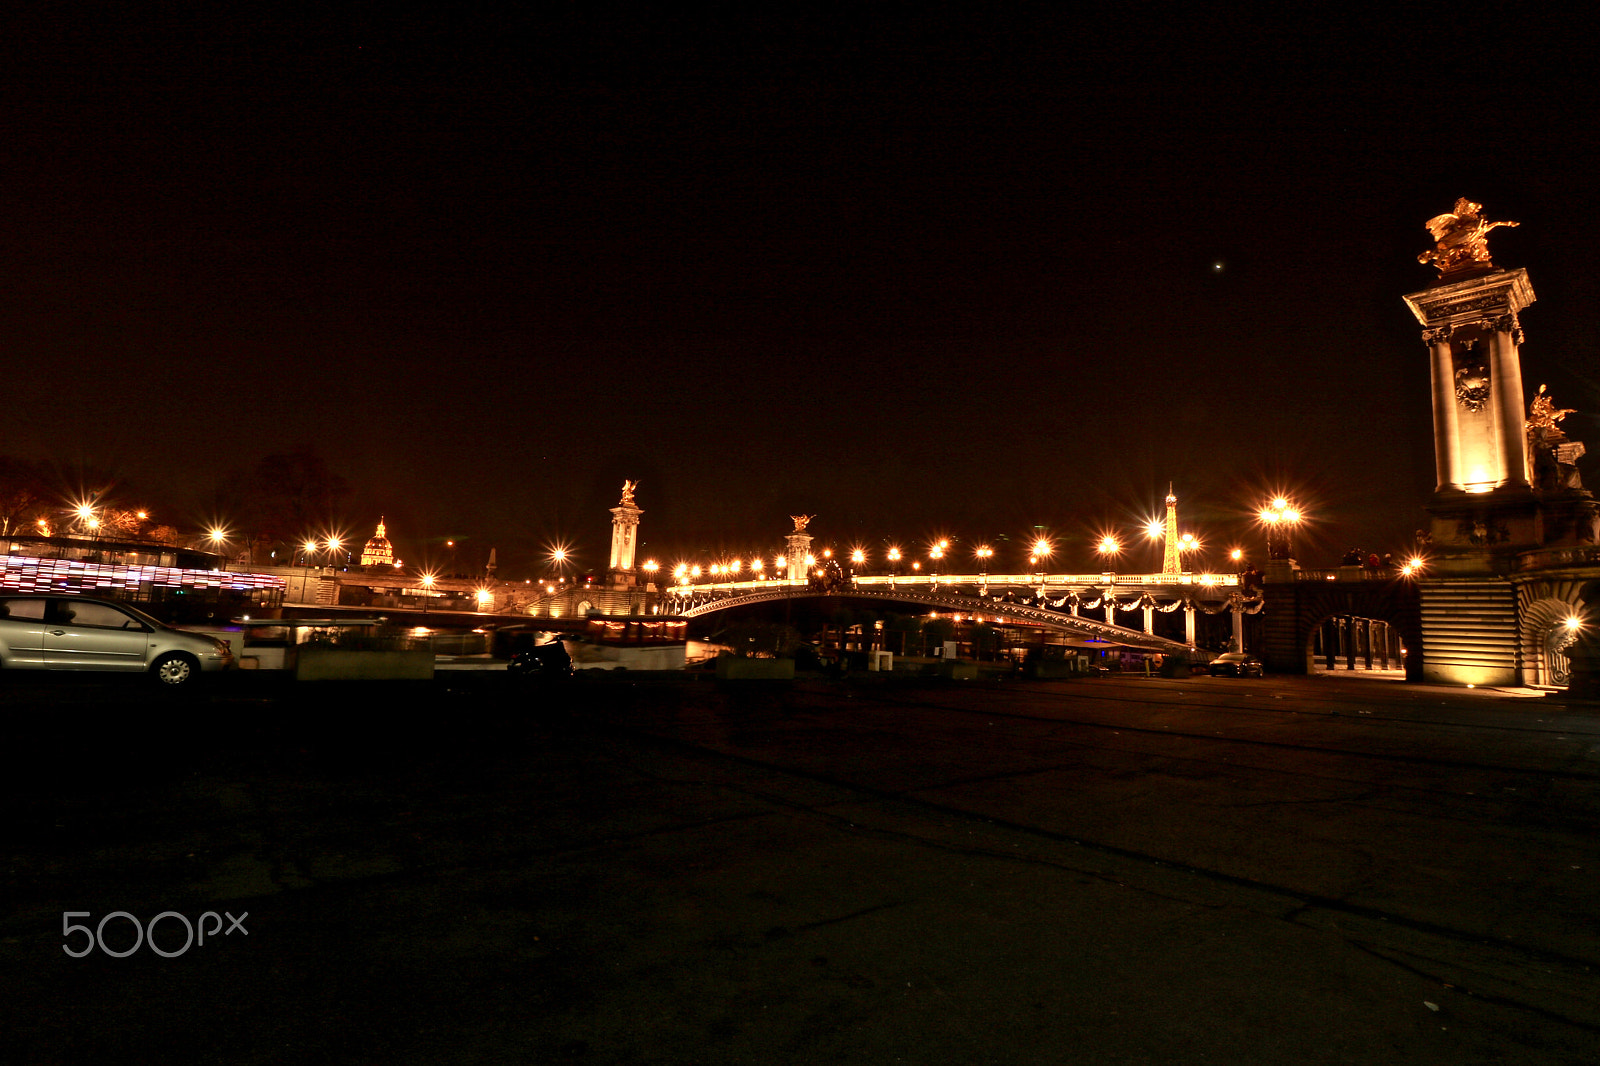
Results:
[1470, 326]
[1238, 628]
[799, 546]
[624, 536]
[1111, 608]
[1505, 369]
[1150, 620]
[1446, 431]
[1188, 623]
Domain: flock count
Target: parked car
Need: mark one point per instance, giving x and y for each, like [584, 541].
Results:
[65, 632]
[549, 662]
[1235, 664]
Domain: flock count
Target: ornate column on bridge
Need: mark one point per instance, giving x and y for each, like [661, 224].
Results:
[799, 546]
[624, 536]
[1482, 502]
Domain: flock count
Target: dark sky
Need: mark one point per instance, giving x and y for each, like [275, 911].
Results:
[919, 274]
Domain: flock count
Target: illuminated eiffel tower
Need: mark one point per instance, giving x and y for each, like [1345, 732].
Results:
[1170, 563]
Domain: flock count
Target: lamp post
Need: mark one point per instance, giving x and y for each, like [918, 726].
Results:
[984, 552]
[1188, 544]
[894, 563]
[427, 591]
[1108, 548]
[1042, 549]
[1280, 517]
[218, 540]
[935, 554]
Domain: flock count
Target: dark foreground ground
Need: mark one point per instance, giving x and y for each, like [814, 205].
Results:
[661, 871]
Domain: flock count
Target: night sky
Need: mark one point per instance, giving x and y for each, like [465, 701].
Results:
[918, 273]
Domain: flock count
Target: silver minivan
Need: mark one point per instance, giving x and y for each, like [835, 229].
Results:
[56, 632]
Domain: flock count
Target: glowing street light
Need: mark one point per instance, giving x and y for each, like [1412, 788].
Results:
[984, 553]
[218, 537]
[894, 560]
[1042, 550]
[1109, 548]
[1188, 545]
[1280, 517]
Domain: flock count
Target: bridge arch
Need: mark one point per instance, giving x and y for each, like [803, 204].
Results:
[1363, 598]
[1543, 608]
[699, 605]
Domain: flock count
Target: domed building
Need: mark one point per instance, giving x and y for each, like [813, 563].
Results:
[378, 552]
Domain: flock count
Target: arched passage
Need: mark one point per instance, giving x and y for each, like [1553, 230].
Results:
[1352, 619]
[1544, 609]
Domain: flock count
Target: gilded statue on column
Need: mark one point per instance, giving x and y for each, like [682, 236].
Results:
[1461, 238]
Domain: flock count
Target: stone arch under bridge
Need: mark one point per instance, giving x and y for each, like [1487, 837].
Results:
[1543, 606]
[699, 605]
[1297, 608]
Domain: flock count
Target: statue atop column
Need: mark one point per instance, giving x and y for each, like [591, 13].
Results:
[627, 493]
[1461, 239]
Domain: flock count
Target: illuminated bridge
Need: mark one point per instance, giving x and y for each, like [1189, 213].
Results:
[1081, 605]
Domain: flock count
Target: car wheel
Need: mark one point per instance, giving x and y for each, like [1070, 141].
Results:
[174, 669]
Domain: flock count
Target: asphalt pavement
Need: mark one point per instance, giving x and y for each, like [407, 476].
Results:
[662, 870]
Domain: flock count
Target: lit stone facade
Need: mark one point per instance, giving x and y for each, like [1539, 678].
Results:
[1513, 556]
[378, 552]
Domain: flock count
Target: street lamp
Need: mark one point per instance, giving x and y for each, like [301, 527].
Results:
[1109, 546]
[1280, 517]
[427, 591]
[984, 552]
[894, 562]
[935, 554]
[218, 539]
[1041, 551]
[1188, 544]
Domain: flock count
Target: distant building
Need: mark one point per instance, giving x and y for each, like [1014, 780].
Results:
[378, 552]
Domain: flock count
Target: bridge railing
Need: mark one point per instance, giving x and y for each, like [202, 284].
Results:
[1347, 573]
[930, 581]
[1546, 558]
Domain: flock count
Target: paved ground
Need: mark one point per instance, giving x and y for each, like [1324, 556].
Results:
[650, 871]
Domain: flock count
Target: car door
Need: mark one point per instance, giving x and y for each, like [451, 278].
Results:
[86, 635]
[22, 638]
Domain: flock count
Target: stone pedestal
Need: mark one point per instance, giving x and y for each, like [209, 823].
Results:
[799, 546]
